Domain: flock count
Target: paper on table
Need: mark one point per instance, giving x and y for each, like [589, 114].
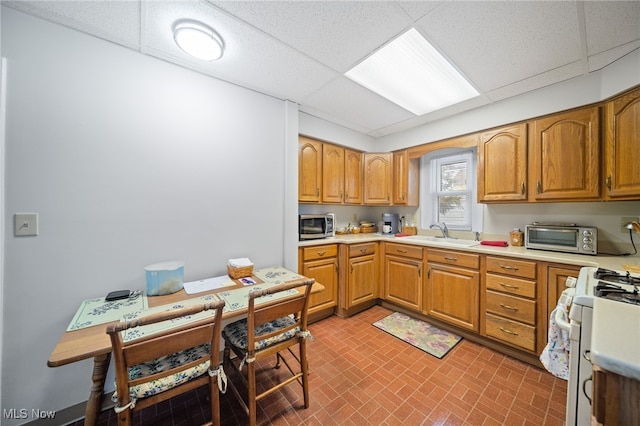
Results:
[208, 284]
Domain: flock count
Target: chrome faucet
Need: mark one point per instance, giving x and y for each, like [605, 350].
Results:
[443, 229]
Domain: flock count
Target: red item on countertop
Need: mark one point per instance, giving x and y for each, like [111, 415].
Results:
[401, 234]
[494, 243]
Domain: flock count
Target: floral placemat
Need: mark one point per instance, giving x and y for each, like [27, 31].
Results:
[239, 298]
[98, 311]
[276, 275]
[138, 332]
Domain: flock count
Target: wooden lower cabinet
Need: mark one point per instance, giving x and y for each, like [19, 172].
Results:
[453, 287]
[362, 275]
[615, 399]
[557, 282]
[403, 275]
[321, 263]
[511, 302]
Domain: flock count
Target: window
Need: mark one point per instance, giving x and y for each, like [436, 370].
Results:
[449, 194]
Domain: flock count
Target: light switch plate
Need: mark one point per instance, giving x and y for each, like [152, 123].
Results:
[26, 224]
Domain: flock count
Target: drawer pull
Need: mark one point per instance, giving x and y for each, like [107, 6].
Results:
[511, 308]
[453, 259]
[508, 268]
[504, 330]
[515, 287]
[402, 251]
[321, 253]
[363, 251]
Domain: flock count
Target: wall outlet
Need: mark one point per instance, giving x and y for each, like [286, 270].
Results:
[624, 221]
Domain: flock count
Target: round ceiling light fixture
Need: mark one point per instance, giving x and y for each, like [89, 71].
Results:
[198, 40]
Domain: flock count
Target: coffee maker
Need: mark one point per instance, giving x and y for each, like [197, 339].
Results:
[390, 224]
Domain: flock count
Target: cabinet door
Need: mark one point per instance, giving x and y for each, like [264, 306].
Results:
[564, 157]
[556, 284]
[452, 295]
[325, 271]
[502, 164]
[622, 139]
[363, 273]
[400, 177]
[403, 282]
[332, 174]
[352, 177]
[309, 170]
[377, 178]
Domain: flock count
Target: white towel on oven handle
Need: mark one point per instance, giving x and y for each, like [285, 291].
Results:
[555, 356]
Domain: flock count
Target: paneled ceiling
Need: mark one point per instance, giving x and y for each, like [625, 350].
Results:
[299, 50]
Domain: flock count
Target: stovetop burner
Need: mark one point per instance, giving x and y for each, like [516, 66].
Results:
[610, 286]
[616, 277]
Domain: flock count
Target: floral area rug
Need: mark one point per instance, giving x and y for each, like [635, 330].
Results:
[418, 333]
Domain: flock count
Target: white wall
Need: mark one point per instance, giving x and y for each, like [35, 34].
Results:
[128, 161]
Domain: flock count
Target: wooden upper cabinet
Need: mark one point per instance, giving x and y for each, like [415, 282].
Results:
[564, 156]
[352, 177]
[332, 174]
[406, 178]
[502, 164]
[622, 147]
[377, 178]
[309, 170]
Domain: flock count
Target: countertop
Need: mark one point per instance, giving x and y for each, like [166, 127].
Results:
[604, 261]
[615, 337]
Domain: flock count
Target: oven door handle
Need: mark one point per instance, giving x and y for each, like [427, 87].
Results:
[561, 319]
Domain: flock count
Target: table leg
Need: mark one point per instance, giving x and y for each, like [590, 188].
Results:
[94, 403]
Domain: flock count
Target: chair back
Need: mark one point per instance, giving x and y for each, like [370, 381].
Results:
[128, 354]
[296, 306]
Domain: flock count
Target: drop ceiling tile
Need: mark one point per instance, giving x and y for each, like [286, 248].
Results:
[336, 33]
[418, 9]
[499, 43]
[601, 60]
[611, 25]
[251, 58]
[348, 100]
[116, 21]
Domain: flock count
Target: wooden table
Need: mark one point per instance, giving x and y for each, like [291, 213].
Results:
[93, 342]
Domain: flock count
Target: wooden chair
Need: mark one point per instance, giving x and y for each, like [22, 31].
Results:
[167, 363]
[270, 328]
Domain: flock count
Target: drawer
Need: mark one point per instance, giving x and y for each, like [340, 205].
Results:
[466, 260]
[509, 266]
[320, 252]
[511, 307]
[405, 250]
[511, 332]
[356, 250]
[511, 285]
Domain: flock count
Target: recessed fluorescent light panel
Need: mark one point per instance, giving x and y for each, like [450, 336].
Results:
[411, 73]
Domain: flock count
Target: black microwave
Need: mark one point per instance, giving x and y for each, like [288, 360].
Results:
[312, 226]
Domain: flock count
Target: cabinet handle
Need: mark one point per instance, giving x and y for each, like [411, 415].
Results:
[523, 189]
[317, 192]
[584, 388]
[429, 273]
[511, 308]
[402, 250]
[515, 287]
[341, 199]
[352, 268]
[388, 196]
[346, 195]
[538, 187]
[321, 253]
[453, 259]
[509, 268]
[404, 194]
[420, 271]
[607, 182]
[363, 251]
[504, 330]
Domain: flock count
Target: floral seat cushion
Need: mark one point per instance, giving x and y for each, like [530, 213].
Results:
[161, 364]
[236, 333]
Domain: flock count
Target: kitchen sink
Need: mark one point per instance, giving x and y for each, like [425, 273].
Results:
[444, 241]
